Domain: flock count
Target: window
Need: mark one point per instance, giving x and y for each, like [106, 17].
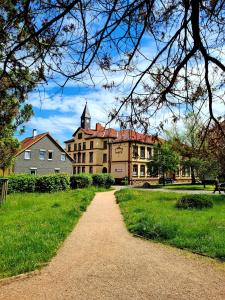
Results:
[27, 154]
[142, 152]
[178, 172]
[186, 172]
[91, 144]
[79, 136]
[79, 146]
[83, 157]
[104, 157]
[135, 151]
[79, 157]
[69, 147]
[50, 154]
[57, 170]
[42, 154]
[84, 146]
[78, 170]
[91, 170]
[63, 157]
[105, 145]
[83, 169]
[75, 147]
[75, 157]
[91, 156]
[149, 153]
[33, 171]
[135, 170]
[74, 170]
[142, 170]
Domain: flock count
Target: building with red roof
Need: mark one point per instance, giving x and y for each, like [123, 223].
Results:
[123, 153]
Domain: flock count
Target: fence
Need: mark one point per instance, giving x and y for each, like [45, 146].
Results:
[3, 189]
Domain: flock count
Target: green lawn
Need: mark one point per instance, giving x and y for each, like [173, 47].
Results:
[190, 187]
[187, 186]
[33, 225]
[153, 215]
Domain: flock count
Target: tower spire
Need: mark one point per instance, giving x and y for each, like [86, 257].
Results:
[85, 118]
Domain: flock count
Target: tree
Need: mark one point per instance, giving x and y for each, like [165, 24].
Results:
[13, 113]
[193, 149]
[165, 159]
[8, 148]
[181, 70]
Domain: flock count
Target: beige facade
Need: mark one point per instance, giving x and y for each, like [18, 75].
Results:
[94, 154]
[90, 155]
[123, 153]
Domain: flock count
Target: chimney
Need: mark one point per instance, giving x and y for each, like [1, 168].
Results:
[99, 127]
[34, 132]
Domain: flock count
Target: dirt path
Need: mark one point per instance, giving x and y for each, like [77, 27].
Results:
[100, 260]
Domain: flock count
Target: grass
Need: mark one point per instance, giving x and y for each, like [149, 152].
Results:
[33, 226]
[190, 187]
[153, 215]
[177, 186]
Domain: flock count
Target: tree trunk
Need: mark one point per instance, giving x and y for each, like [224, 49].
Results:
[203, 179]
[193, 180]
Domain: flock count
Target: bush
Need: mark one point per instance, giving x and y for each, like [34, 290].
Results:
[30, 183]
[21, 183]
[125, 181]
[52, 183]
[103, 180]
[80, 181]
[194, 201]
[149, 228]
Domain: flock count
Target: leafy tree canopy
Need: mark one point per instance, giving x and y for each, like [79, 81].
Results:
[165, 159]
[170, 51]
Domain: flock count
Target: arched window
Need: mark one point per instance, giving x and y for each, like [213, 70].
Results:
[104, 170]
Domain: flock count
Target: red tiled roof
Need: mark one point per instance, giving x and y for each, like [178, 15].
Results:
[119, 135]
[29, 141]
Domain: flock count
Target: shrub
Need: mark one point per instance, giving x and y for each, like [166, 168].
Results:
[149, 228]
[52, 183]
[80, 181]
[21, 183]
[125, 181]
[109, 181]
[103, 180]
[31, 183]
[194, 201]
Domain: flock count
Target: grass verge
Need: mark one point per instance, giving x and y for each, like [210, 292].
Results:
[153, 215]
[188, 186]
[33, 225]
[192, 187]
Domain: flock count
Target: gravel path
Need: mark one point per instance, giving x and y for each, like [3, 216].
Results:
[101, 260]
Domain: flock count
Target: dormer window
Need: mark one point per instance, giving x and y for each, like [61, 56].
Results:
[79, 136]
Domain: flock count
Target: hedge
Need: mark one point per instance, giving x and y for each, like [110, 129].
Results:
[194, 201]
[103, 180]
[80, 181]
[31, 183]
[52, 183]
[56, 182]
[21, 183]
